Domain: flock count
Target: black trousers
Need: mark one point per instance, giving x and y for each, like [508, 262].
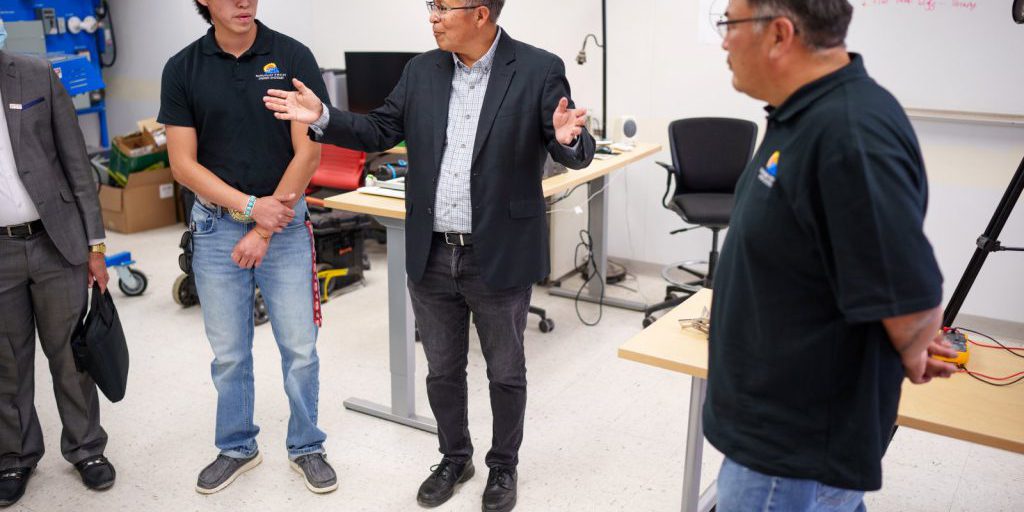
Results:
[451, 289]
[40, 291]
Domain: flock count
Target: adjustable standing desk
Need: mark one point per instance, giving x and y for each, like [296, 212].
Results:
[401, 328]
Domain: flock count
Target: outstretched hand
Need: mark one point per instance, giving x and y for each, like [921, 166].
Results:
[568, 122]
[300, 105]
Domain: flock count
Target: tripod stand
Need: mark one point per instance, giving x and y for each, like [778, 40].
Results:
[988, 242]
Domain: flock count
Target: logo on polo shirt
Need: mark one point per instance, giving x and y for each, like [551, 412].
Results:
[767, 173]
[271, 72]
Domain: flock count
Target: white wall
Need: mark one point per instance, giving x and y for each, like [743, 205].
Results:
[662, 73]
[658, 72]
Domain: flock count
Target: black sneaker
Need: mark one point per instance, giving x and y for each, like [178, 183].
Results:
[224, 470]
[97, 473]
[441, 484]
[318, 474]
[12, 485]
[500, 493]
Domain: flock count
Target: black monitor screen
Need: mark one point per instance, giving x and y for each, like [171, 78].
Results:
[371, 76]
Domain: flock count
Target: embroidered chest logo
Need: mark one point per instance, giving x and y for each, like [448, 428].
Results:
[271, 72]
[767, 173]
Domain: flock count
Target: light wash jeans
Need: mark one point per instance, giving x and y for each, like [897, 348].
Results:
[226, 294]
[741, 489]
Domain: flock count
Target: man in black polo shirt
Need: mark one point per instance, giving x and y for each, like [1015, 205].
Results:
[249, 226]
[827, 292]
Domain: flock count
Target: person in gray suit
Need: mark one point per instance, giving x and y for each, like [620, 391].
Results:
[51, 251]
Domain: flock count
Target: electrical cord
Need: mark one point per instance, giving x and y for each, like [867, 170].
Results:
[113, 36]
[988, 379]
[589, 198]
[586, 242]
[983, 378]
[990, 338]
[565, 196]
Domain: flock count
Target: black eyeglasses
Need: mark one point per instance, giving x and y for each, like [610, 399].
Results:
[443, 10]
[723, 25]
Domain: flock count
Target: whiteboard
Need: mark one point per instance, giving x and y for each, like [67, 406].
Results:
[955, 55]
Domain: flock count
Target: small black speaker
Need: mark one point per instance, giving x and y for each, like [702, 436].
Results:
[1018, 11]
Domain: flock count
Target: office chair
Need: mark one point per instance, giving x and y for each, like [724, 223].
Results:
[708, 156]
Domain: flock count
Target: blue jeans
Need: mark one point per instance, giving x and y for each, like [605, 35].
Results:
[741, 489]
[226, 294]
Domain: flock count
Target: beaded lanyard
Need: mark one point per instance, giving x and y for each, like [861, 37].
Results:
[317, 317]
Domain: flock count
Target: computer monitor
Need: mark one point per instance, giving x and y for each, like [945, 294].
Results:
[371, 76]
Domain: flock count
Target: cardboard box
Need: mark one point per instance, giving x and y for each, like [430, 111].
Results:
[155, 131]
[145, 202]
[141, 150]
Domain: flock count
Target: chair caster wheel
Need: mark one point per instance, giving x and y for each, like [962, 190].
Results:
[547, 325]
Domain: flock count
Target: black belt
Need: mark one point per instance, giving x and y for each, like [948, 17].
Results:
[456, 239]
[22, 230]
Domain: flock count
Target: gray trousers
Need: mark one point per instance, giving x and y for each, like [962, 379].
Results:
[40, 290]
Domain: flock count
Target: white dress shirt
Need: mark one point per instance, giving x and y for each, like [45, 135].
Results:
[16, 207]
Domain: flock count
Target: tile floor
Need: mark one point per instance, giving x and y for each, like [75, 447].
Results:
[602, 434]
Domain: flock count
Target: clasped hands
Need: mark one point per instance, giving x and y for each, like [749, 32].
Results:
[272, 214]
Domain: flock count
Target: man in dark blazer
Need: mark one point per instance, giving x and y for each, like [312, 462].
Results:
[51, 250]
[479, 116]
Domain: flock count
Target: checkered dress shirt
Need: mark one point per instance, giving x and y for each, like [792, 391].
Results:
[453, 208]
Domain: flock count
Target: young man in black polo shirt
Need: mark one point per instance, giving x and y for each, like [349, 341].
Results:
[249, 226]
[827, 291]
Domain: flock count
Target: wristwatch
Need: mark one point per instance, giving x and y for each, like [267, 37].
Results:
[99, 248]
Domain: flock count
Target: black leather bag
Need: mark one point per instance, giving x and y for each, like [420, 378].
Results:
[100, 348]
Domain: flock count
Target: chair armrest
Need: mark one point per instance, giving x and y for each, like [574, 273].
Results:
[671, 171]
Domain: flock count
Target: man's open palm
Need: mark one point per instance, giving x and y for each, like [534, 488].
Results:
[300, 105]
[568, 122]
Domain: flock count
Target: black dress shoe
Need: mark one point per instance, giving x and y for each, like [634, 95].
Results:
[441, 484]
[12, 485]
[500, 493]
[97, 473]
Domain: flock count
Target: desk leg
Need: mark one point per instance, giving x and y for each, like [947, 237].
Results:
[597, 224]
[401, 341]
[693, 500]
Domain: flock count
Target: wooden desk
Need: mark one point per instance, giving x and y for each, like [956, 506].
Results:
[959, 407]
[389, 207]
[391, 213]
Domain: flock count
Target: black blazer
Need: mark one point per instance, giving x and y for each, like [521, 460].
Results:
[515, 134]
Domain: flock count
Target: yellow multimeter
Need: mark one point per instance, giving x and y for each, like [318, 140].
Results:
[959, 343]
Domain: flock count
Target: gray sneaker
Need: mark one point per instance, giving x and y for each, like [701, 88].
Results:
[224, 470]
[318, 474]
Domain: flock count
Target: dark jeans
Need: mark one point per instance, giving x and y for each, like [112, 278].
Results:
[442, 301]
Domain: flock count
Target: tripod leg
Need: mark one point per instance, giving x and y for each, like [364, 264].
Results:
[986, 244]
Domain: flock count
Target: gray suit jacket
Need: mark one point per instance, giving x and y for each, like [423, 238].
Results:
[49, 151]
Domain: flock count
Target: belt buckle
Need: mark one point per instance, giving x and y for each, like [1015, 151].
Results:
[239, 216]
[462, 239]
[28, 225]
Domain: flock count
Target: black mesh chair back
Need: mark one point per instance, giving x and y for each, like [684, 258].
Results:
[710, 153]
